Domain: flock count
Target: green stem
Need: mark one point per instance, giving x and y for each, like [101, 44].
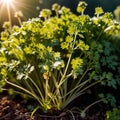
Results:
[82, 13]
[21, 88]
[83, 76]
[28, 85]
[67, 66]
[73, 95]
[99, 35]
[83, 112]
[46, 90]
[78, 86]
[38, 89]
[57, 93]
[90, 85]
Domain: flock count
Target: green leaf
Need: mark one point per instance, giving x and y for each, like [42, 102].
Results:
[76, 63]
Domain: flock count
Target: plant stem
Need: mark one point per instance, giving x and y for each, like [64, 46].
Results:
[46, 90]
[21, 88]
[20, 22]
[36, 87]
[83, 76]
[68, 62]
[83, 112]
[90, 85]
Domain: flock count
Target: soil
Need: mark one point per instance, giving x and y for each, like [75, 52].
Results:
[15, 109]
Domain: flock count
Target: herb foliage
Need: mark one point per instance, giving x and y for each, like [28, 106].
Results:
[56, 59]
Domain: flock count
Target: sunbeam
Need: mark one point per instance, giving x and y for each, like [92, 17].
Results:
[6, 6]
[6, 1]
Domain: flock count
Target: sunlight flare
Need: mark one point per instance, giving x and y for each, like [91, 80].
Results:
[7, 1]
[8, 4]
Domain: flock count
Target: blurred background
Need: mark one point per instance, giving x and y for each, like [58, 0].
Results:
[31, 8]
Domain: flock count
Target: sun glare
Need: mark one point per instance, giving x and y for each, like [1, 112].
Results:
[9, 4]
[7, 1]
[9, 7]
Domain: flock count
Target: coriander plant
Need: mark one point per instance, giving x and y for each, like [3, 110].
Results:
[56, 59]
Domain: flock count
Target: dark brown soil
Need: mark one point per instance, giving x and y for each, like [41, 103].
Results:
[12, 110]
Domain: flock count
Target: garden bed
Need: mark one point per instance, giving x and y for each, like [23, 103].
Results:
[16, 109]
